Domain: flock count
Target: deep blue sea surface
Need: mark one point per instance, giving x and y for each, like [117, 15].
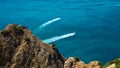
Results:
[96, 23]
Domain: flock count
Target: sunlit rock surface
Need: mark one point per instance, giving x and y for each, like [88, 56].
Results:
[73, 62]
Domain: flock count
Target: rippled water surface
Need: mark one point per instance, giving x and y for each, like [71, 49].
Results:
[96, 23]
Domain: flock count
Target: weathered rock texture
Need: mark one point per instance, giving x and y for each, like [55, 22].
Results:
[75, 63]
[19, 48]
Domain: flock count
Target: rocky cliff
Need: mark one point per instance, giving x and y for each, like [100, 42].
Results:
[73, 62]
[19, 48]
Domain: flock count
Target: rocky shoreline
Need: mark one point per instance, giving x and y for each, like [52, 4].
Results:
[19, 48]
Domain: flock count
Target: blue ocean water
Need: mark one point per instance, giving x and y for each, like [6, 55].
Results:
[96, 23]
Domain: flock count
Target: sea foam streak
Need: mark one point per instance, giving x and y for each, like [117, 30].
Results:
[49, 22]
[41, 27]
[56, 38]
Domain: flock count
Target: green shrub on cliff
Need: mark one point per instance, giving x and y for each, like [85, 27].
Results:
[18, 30]
[116, 62]
[27, 39]
[76, 58]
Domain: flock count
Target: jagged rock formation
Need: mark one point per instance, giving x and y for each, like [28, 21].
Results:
[19, 48]
[73, 62]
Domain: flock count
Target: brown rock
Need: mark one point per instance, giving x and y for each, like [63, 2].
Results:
[19, 48]
[72, 63]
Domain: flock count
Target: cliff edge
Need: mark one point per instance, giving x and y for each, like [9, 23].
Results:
[19, 48]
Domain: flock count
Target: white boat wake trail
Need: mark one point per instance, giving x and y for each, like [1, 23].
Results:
[56, 38]
[41, 27]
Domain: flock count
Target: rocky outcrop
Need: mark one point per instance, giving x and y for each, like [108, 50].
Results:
[19, 48]
[73, 62]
